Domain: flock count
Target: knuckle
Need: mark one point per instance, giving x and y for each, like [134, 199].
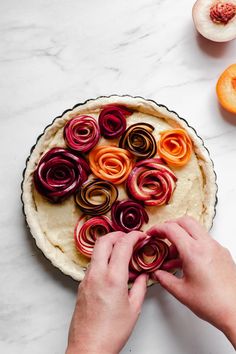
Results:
[123, 241]
[101, 240]
[113, 280]
[118, 233]
[194, 251]
[170, 227]
[135, 234]
[184, 218]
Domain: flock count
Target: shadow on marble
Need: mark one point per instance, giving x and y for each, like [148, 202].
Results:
[211, 48]
[182, 329]
[227, 116]
[46, 266]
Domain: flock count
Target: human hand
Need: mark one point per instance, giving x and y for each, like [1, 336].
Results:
[208, 285]
[106, 311]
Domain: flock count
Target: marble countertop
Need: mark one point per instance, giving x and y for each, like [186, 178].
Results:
[55, 54]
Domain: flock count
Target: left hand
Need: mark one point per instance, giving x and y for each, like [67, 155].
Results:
[106, 311]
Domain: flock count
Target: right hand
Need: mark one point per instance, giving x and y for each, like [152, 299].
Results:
[106, 310]
[208, 285]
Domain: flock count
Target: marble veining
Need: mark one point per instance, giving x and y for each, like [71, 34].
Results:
[55, 54]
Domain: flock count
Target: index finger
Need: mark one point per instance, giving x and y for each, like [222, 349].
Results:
[122, 253]
[193, 227]
[174, 233]
[103, 248]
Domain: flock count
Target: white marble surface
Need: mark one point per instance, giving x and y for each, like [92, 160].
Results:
[55, 53]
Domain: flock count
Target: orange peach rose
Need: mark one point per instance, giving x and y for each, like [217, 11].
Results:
[111, 163]
[175, 147]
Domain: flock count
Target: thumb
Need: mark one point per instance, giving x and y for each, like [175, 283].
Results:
[138, 291]
[170, 282]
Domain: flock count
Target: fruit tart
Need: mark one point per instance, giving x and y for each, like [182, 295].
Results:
[115, 163]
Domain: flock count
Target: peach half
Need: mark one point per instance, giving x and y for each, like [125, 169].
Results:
[215, 19]
[226, 89]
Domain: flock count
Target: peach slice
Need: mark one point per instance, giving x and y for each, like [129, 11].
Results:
[215, 19]
[226, 89]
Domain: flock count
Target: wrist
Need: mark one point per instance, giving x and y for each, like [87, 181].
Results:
[231, 335]
[229, 329]
[81, 349]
